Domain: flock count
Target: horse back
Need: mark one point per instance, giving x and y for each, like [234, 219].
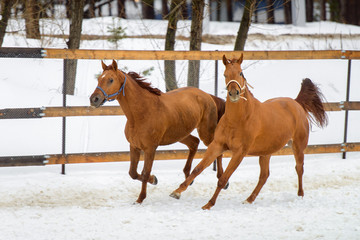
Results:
[278, 120]
[185, 109]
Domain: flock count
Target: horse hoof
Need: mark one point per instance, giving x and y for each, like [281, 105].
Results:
[226, 186]
[175, 195]
[207, 206]
[247, 201]
[155, 182]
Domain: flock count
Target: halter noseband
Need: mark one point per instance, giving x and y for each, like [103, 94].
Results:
[114, 94]
[242, 88]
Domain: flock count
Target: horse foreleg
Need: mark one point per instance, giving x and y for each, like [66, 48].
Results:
[148, 162]
[212, 152]
[264, 162]
[134, 161]
[192, 143]
[233, 164]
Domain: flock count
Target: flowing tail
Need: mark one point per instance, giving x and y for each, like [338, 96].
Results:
[311, 99]
[220, 105]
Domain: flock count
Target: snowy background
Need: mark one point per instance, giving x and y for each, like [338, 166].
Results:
[95, 201]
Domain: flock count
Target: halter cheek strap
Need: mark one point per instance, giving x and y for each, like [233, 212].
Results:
[114, 94]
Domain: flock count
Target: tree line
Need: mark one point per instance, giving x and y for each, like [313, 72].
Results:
[345, 11]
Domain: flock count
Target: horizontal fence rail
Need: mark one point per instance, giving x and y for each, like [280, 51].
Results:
[16, 113]
[173, 55]
[160, 155]
[49, 53]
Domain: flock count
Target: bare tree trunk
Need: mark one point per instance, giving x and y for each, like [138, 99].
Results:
[309, 10]
[244, 26]
[91, 8]
[195, 41]
[218, 10]
[77, 11]
[229, 10]
[351, 11]
[169, 65]
[32, 16]
[256, 15]
[121, 8]
[164, 8]
[5, 15]
[148, 9]
[184, 10]
[335, 9]
[287, 12]
[270, 11]
[68, 8]
[323, 10]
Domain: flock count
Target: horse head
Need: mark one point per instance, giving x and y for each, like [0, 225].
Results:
[234, 78]
[110, 84]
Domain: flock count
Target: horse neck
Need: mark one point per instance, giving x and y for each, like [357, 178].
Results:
[240, 111]
[136, 101]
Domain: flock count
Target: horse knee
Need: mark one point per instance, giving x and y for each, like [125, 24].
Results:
[264, 176]
[133, 175]
[222, 183]
[300, 169]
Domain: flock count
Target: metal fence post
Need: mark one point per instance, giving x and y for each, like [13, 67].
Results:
[347, 111]
[65, 62]
[216, 94]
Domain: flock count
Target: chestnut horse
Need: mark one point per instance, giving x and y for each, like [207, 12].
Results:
[155, 118]
[259, 129]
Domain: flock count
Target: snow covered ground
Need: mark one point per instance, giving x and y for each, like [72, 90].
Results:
[95, 201]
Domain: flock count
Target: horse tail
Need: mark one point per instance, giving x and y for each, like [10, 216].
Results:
[220, 105]
[311, 99]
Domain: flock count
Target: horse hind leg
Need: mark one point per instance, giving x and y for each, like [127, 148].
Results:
[192, 143]
[264, 162]
[206, 132]
[220, 170]
[299, 167]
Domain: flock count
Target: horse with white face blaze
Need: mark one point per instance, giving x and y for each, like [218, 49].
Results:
[155, 118]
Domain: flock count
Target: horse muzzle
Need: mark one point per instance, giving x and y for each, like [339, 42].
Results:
[96, 100]
[234, 95]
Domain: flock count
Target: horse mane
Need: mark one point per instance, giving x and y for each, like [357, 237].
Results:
[141, 82]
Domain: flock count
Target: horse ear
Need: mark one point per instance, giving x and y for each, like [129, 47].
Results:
[225, 61]
[241, 58]
[114, 65]
[103, 65]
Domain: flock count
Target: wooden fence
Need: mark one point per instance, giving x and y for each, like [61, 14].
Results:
[158, 55]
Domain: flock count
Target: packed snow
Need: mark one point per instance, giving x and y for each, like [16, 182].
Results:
[95, 201]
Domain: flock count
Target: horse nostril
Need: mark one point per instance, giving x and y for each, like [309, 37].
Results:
[237, 92]
[95, 99]
[230, 93]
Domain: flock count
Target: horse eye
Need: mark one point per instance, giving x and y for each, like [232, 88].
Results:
[111, 80]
